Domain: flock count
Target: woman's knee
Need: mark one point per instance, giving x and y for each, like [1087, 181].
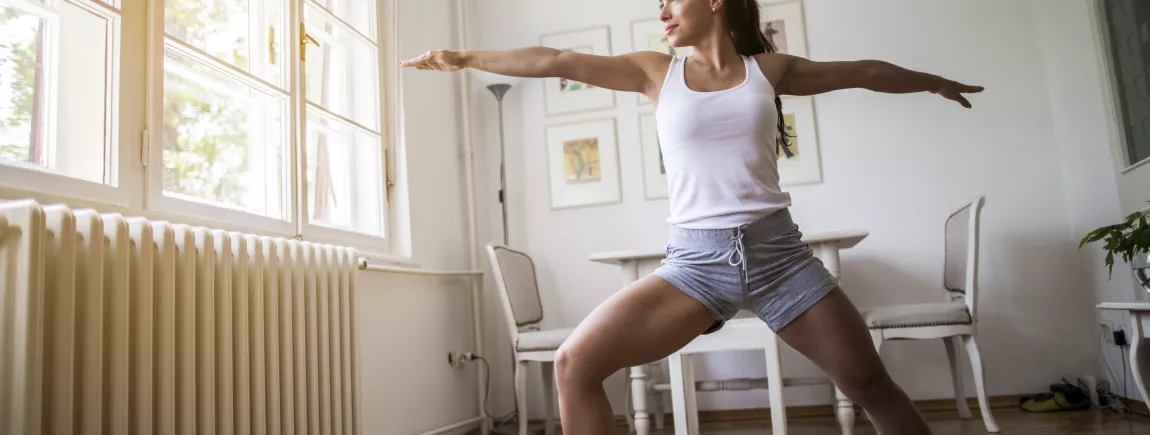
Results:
[575, 363]
[863, 384]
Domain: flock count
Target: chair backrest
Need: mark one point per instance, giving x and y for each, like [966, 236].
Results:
[960, 270]
[518, 288]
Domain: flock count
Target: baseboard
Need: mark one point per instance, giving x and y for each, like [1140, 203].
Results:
[1137, 407]
[823, 411]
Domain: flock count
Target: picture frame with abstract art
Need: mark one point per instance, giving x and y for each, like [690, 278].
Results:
[784, 26]
[799, 161]
[562, 96]
[583, 164]
[654, 171]
[648, 35]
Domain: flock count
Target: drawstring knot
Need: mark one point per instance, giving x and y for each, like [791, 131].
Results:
[738, 256]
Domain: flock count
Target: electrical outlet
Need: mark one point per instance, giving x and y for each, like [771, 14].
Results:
[458, 359]
[1107, 332]
[1120, 338]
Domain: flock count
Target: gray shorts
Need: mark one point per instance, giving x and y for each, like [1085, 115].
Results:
[763, 267]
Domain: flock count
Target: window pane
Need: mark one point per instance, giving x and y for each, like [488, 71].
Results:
[249, 34]
[342, 72]
[344, 176]
[22, 84]
[82, 143]
[54, 105]
[360, 14]
[224, 140]
[1130, 57]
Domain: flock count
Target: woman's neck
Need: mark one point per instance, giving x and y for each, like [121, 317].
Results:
[717, 52]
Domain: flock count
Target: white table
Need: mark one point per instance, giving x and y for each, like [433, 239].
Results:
[826, 247]
[1139, 314]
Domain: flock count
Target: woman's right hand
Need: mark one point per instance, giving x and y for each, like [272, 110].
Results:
[437, 60]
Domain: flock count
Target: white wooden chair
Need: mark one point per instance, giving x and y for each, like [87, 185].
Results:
[955, 319]
[740, 334]
[519, 290]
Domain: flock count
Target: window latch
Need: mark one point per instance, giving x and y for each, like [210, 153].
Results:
[304, 39]
[272, 45]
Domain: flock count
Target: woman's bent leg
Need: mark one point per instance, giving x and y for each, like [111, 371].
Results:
[643, 323]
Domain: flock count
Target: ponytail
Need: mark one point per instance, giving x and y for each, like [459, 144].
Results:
[742, 20]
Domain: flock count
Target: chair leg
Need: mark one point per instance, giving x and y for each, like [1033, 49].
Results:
[956, 376]
[627, 403]
[683, 394]
[549, 397]
[656, 400]
[980, 382]
[692, 401]
[521, 394]
[775, 385]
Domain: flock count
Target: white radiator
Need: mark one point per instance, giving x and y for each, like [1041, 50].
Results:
[113, 325]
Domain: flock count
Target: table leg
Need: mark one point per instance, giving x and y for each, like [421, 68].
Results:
[639, 397]
[638, 373]
[844, 412]
[828, 253]
[1139, 354]
[775, 385]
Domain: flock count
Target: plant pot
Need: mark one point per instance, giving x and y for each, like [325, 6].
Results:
[1141, 265]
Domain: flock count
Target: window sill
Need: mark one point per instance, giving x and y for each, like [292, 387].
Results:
[1131, 168]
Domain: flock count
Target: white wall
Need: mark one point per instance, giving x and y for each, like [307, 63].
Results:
[894, 165]
[1084, 136]
[408, 324]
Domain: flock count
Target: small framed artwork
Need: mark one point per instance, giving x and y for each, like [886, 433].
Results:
[583, 164]
[648, 35]
[799, 161]
[654, 171]
[783, 25]
[563, 96]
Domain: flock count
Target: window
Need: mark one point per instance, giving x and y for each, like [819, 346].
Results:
[58, 90]
[226, 100]
[1125, 24]
[264, 116]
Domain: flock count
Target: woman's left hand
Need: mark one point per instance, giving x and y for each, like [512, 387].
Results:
[953, 90]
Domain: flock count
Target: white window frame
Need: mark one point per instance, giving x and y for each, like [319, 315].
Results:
[1114, 110]
[135, 150]
[385, 40]
[31, 178]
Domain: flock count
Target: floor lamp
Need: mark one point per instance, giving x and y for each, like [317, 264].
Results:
[499, 90]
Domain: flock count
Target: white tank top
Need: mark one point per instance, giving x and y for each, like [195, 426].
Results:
[719, 150]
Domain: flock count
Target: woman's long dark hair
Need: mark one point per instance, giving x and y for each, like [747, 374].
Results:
[742, 19]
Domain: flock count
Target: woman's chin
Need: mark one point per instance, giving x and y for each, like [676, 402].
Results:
[678, 42]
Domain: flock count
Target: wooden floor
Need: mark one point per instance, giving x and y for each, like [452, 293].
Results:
[1011, 421]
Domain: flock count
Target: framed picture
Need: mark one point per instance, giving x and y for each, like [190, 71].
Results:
[799, 161]
[583, 164]
[783, 25]
[654, 172]
[562, 96]
[648, 35]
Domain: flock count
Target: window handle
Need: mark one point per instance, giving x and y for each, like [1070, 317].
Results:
[272, 45]
[304, 39]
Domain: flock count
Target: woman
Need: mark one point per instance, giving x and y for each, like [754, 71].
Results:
[732, 242]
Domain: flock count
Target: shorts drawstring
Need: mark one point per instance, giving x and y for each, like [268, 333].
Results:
[738, 257]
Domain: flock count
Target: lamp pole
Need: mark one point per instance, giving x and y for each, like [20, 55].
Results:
[500, 89]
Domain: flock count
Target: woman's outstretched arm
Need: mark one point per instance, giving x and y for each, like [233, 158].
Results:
[798, 76]
[631, 72]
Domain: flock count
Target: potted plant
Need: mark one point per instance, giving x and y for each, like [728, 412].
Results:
[1131, 240]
